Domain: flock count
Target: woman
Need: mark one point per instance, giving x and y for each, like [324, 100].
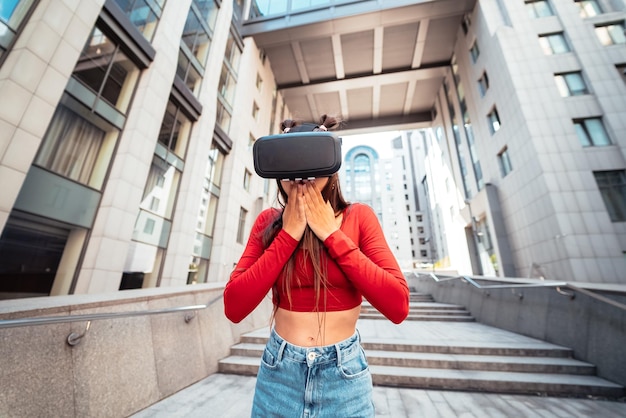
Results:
[319, 255]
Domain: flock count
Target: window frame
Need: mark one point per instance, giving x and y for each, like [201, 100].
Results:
[536, 8]
[504, 162]
[566, 83]
[546, 41]
[490, 119]
[613, 194]
[582, 127]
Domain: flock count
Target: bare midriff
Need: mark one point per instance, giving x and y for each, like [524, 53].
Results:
[312, 329]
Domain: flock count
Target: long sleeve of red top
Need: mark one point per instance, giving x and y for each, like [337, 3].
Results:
[371, 266]
[257, 269]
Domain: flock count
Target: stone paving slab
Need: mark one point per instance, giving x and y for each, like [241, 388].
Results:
[230, 396]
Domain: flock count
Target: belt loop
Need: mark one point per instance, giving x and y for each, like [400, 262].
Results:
[358, 335]
[338, 349]
[281, 350]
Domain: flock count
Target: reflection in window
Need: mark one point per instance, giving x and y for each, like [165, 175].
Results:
[504, 162]
[553, 44]
[591, 132]
[571, 84]
[539, 8]
[161, 188]
[474, 52]
[494, 121]
[196, 43]
[588, 8]
[106, 70]
[483, 84]
[612, 34]
[228, 81]
[12, 13]
[207, 214]
[175, 130]
[242, 225]
[76, 148]
[143, 14]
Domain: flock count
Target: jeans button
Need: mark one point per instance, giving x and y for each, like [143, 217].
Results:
[311, 356]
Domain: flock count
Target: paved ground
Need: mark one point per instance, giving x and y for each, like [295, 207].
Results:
[223, 396]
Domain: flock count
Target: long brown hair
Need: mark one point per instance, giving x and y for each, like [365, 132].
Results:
[312, 247]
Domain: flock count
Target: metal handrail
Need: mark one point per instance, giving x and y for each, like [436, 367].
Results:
[11, 323]
[556, 285]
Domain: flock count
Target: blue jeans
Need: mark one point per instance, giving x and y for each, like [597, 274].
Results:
[330, 381]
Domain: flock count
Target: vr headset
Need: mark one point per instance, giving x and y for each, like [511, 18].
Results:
[297, 155]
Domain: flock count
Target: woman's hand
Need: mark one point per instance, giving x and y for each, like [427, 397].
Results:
[294, 218]
[320, 215]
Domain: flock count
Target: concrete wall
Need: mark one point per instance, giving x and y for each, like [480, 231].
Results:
[595, 330]
[122, 365]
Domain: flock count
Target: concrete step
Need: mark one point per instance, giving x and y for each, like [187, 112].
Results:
[468, 380]
[424, 311]
[420, 306]
[418, 311]
[496, 381]
[539, 349]
[525, 363]
[417, 317]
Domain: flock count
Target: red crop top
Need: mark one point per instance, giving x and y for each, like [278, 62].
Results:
[360, 264]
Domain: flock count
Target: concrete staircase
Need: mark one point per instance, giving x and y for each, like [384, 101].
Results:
[423, 308]
[510, 365]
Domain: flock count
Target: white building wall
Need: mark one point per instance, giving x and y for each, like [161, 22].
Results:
[553, 213]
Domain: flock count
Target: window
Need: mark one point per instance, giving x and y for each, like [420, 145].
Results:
[12, 14]
[77, 148]
[196, 43]
[259, 82]
[211, 191]
[539, 8]
[621, 69]
[553, 44]
[223, 115]
[612, 34]
[175, 130]
[483, 84]
[571, 84]
[474, 52]
[505, 162]
[228, 81]
[30, 254]
[161, 188]
[247, 176]
[227, 85]
[144, 14]
[107, 71]
[494, 121]
[591, 132]
[242, 225]
[588, 8]
[251, 141]
[466, 23]
[612, 185]
[255, 110]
